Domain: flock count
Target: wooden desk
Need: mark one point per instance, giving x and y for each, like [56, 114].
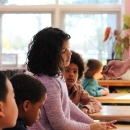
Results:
[119, 83]
[121, 127]
[114, 98]
[112, 113]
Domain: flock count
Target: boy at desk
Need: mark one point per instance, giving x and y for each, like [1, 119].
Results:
[30, 95]
[72, 73]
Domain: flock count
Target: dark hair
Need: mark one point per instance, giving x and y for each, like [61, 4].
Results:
[44, 55]
[78, 60]
[93, 66]
[3, 87]
[27, 87]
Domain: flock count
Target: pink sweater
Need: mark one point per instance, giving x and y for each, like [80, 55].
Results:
[58, 112]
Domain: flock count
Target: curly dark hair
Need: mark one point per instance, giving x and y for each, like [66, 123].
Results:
[27, 87]
[93, 66]
[78, 60]
[44, 55]
[3, 87]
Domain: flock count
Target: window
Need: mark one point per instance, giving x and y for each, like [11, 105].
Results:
[18, 29]
[87, 32]
[9, 60]
[27, 2]
[84, 20]
[90, 1]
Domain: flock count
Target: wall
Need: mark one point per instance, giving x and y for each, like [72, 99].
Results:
[126, 10]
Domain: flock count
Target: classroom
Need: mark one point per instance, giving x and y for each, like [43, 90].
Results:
[99, 29]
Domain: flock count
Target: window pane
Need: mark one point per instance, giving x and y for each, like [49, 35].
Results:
[18, 29]
[87, 33]
[90, 1]
[9, 60]
[27, 2]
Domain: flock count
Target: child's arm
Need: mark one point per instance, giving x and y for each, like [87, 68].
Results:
[89, 103]
[92, 89]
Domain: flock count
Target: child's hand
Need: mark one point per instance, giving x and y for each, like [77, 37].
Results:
[104, 91]
[85, 110]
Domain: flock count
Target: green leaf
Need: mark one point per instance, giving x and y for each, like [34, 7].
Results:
[118, 50]
[126, 43]
[119, 55]
[126, 19]
[125, 27]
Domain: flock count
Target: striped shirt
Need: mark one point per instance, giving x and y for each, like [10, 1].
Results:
[58, 112]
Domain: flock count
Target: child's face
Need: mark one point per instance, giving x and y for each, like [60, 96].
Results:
[71, 75]
[10, 109]
[66, 54]
[98, 75]
[34, 111]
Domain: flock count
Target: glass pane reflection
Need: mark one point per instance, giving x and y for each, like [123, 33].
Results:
[90, 1]
[18, 29]
[87, 31]
[27, 2]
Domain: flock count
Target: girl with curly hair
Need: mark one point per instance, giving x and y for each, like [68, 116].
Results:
[48, 54]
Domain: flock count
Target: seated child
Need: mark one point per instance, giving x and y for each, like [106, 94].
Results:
[73, 72]
[8, 107]
[30, 95]
[89, 82]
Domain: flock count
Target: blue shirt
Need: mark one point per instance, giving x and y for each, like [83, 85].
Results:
[91, 86]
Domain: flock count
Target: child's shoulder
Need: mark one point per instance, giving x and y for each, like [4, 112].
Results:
[88, 82]
[88, 79]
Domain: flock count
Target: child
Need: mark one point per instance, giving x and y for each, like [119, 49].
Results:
[8, 108]
[73, 72]
[89, 82]
[48, 54]
[30, 95]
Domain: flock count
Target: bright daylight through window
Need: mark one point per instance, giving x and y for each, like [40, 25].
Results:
[82, 19]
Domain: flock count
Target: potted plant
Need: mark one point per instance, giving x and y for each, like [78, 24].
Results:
[120, 44]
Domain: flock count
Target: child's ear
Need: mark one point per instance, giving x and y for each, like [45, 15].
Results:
[1, 110]
[26, 105]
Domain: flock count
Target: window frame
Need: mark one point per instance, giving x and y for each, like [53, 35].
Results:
[58, 11]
